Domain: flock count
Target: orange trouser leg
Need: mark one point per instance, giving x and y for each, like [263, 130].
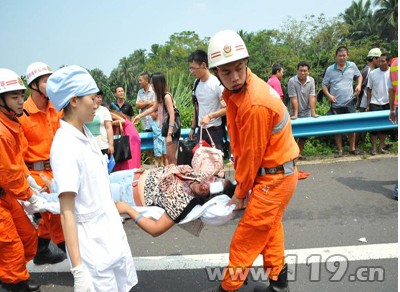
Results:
[260, 229]
[50, 225]
[274, 252]
[18, 241]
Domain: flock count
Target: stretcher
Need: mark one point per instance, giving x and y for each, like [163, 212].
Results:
[213, 212]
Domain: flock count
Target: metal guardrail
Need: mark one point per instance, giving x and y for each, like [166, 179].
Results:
[321, 126]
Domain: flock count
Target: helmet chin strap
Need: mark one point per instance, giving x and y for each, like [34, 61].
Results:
[236, 90]
[10, 112]
[38, 90]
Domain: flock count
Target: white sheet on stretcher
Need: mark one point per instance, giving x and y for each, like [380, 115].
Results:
[213, 212]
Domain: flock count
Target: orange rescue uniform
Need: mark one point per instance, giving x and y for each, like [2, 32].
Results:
[39, 129]
[394, 76]
[18, 238]
[261, 136]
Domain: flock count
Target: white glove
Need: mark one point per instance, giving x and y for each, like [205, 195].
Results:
[33, 184]
[83, 282]
[37, 204]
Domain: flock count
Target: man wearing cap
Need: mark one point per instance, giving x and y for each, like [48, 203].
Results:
[97, 245]
[264, 151]
[39, 125]
[372, 63]
[378, 98]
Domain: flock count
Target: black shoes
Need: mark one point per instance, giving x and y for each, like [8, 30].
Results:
[23, 286]
[280, 285]
[45, 256]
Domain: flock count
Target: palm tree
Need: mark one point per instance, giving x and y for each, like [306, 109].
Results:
[126, 74]
[386, 18]
[359, 17]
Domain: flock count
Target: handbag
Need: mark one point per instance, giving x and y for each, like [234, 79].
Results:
[176, 130]
[122, 147]
[208, 160]
[203, 143]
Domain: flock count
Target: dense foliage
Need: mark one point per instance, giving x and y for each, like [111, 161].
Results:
[314, 39]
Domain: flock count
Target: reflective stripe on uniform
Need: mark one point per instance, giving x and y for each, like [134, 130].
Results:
[279, 126]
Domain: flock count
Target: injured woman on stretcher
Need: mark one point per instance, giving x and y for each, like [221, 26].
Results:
[157, 199]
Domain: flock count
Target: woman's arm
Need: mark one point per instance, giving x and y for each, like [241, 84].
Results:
[67, 207]
[154, 228]
[145, 113]
[110, 136]
[117, 119]
[169, 105]
[168, 102]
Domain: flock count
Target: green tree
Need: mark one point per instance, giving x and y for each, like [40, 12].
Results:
[359, 17]
[172, 57]
[386, 17]
[102, 82]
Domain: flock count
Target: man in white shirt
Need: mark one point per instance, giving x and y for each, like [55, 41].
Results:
[378, 97]
[208, 95]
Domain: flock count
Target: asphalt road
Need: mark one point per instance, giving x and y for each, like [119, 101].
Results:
[344, 208]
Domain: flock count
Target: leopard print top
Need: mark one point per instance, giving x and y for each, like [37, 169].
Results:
[169, 188]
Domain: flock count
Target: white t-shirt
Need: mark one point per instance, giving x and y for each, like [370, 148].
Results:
[378, 83]
[97, 126]
[208, 95]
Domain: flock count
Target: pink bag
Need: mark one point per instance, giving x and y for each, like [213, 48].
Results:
[208, 160]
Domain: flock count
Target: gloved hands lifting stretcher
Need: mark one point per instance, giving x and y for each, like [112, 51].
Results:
[33, 184]
[36, 204]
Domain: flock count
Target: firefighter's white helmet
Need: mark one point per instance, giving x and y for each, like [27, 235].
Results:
[226, 47]
[10, 81]
[36, 70]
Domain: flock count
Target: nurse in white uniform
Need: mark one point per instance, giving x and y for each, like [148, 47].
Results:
[96, 242]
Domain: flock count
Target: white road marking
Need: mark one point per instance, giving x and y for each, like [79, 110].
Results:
[293, 256]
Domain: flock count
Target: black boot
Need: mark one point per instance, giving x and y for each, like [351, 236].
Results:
[61, 246]
[44, 254]
[280, 285]
[23, 286]
[33, 286]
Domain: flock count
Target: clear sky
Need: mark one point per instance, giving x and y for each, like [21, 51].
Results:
[97, 33]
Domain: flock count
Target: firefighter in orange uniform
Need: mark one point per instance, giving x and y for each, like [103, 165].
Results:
[39, 124]
[264, 151]
[18, 238]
